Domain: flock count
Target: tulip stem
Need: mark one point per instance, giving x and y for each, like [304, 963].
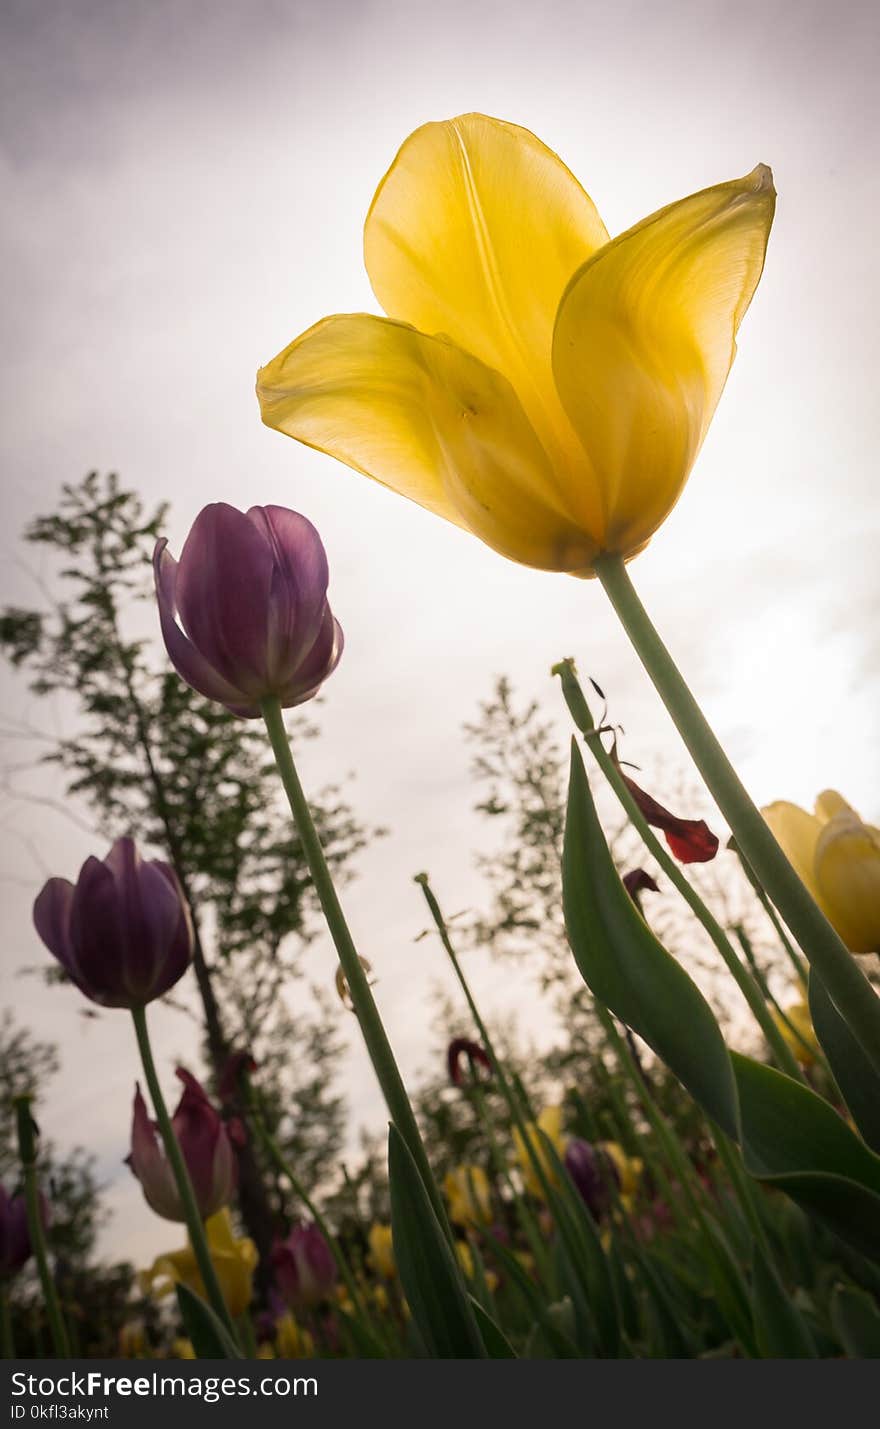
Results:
[745, 982]
[27, 1150]
[372, 1028]
[825, 950]
[198, 1239]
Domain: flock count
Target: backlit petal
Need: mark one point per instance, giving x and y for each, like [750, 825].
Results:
[644, 341]
[426, 418]
[797, 832]
[475, 231]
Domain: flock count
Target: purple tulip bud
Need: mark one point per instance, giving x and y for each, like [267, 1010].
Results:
[207, 1151]
[15, 1237]
[251, 593]
[304, 1268]
[123, 933]
[593, 1173]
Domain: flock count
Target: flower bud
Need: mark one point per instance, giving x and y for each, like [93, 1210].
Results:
[593, 1173]
[15, 1237]
[381, 1253]
[123, 932]
[303, 1266]
[206, 1147]
[251, 593]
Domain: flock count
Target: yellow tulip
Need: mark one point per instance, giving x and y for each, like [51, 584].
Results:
[182, 1350]
[470, 1199]
[536, 382]
[381, 1256]
[629, 1168]
[292, 1342]
[838, 858]
[802, 1040]
[550, 1123]
[234, 1257]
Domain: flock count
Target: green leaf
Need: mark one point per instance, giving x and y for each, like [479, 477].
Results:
[210, 1339]
[779, 1328]
[432, 1281]
[629, 970]
[853, 1070]
[856, 1321]
[498, 1347]
[795, 1141]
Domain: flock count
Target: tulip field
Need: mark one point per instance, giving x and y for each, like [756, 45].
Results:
[649, 1190]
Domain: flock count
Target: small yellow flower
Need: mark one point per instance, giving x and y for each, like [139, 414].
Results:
[182, 1349]
[629, 1169]
[291, 1341]
[802, 1040]
[380, 1298]
[465, 1258]
[838, 858]
[132, 1341]
[536, 382]
[381, 1256]
[469, 1195]
[234, 1258]
[550, 1123]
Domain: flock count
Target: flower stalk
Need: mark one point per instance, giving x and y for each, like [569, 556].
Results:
[824, 949]
[194, 1225]
[27, 1150]
[378, 1046]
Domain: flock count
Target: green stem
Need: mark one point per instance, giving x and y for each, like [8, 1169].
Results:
[7, 1343]
[27, 1150]
[372, 1029]
[751, 992]
[197, 1237]
[524, 1215]
[825, 950]
[279, 1161]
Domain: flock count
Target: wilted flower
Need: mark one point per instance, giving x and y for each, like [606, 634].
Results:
[469, 1195]
[206, 1148]
[637, 882]
[802, 1040]
[550, 1123]
[303, 1267]
[15, 1238]
[123, 933]
[381, 1256]
[691, 840]
[234, 1258]
[593, 1172]
[251, 593]
[463, 1053]
[536, 383]
[343, 991]
[838, 858]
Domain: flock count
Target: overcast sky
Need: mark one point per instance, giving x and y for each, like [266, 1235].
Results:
[185, 186]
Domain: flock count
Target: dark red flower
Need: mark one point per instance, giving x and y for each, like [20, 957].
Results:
[691, 840]
[464, 1060]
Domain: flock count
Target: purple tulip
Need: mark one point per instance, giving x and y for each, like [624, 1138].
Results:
[207, 1151]
[123, 933]
[15, 1238]
[593, 1173]
[304, 1268]
[251, 593]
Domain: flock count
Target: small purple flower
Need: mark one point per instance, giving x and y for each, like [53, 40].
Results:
[251, 593]
[15, 1239]
[123, 932]
[303, 1266]
[207, 1151]
[593, 1173]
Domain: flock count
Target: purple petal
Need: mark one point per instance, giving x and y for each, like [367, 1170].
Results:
[299, 588]
[149, 1164]
[320, 663]
[224, 584]
[189, 663]
[96, 935]
[52, 919]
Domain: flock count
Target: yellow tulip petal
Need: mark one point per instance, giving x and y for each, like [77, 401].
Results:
[797, 833]
[848, 877]
[829, 803]
[427, 419]
[475, 231]
[644, 341]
